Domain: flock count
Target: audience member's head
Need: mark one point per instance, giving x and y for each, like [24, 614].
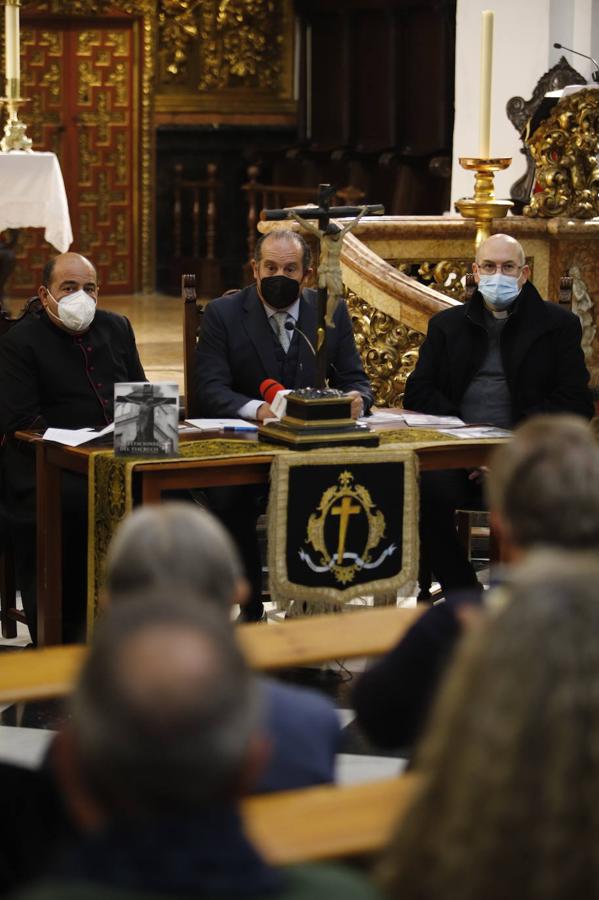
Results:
[165, 714]
[543, 486]
[510, 764]
[179, 545]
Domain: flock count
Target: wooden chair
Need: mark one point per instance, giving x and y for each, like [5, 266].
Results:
[9, 614]
[193, 311]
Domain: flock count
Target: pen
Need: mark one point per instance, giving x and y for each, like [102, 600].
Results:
[236, 428]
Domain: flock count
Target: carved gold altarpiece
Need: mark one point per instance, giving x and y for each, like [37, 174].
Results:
[565, 150]
[225, 61]
[390, 310]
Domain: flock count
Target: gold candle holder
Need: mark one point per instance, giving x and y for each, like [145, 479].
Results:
[483, 207]
[15, 137]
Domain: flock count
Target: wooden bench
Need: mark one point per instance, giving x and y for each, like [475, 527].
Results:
[51, 672]
[320, 823]
[327, 822]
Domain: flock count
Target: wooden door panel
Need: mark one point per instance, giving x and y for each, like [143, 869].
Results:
[81, 79]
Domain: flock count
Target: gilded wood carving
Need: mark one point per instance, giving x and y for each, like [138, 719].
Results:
[444, 275]
[565, 148]
[225, 55]
[389, 350]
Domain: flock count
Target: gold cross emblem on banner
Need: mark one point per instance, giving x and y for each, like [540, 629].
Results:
[344, 511]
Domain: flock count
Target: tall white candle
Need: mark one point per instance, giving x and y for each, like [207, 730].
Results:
[11, 38]
[486, 79]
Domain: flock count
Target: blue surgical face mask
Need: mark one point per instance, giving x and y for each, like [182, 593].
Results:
[499, 290]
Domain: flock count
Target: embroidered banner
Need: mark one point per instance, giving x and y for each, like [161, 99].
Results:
[342, 525]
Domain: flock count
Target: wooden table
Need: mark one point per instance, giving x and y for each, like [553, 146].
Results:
[154, 478]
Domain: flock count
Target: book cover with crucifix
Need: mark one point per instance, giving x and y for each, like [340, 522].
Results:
[146, 419]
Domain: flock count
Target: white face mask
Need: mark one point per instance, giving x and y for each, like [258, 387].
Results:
[76, 311]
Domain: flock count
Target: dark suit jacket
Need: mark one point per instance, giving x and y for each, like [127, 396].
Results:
[306, 734]
[540, 349]
[236, 352]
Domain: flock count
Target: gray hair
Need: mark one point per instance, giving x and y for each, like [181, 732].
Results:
[175, 544]
[164, 731]
[545, 483]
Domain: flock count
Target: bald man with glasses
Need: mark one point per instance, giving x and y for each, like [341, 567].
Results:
[504, 355]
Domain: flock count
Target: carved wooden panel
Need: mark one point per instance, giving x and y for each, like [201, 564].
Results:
[82, 81]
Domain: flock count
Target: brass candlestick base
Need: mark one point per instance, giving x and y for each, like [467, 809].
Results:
[483, 207]
[15, 137]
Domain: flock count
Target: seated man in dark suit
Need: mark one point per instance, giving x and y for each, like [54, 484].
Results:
[58, 367]
[501, 357]
[265, 331]
[183, 546]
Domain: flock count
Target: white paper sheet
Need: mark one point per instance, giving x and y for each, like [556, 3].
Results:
[419, 421]
[74, 437]
[381, 418]
[477, 431]
[222, 424]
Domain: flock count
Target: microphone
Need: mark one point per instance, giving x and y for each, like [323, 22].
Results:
[273, 393]
[595, 74]
[269, 389]
[292, 326]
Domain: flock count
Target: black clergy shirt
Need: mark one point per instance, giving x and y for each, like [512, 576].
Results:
[50, 377]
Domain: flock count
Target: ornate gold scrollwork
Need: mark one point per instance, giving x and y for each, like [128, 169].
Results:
[178, 26]
[389, 350]
[565, 149]
[444, 275]
[240, 41]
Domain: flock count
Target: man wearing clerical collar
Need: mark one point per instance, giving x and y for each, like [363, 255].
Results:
[497, 359]
[58, 367]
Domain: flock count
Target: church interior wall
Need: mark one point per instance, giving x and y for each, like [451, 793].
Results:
[523, 51]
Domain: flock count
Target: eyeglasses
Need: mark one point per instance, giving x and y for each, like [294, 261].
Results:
[508, 268]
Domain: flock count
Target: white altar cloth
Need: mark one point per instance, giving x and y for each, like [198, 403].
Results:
[32, 195]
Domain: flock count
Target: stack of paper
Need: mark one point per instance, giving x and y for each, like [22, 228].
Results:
[222, 424]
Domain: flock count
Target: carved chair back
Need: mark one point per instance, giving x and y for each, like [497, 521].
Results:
[520, 112]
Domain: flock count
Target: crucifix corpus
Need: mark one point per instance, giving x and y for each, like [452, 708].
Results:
[321, 416]
[330, 240]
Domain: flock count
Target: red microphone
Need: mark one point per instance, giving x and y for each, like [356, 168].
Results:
[269, 390]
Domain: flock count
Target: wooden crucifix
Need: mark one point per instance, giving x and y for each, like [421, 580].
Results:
[330, 237]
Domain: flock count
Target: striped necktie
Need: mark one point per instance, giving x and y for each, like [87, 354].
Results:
[277, 321]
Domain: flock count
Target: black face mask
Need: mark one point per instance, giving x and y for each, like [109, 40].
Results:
[279, 291]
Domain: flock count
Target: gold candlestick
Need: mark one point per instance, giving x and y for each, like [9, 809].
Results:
[483, 207]
[15, 137]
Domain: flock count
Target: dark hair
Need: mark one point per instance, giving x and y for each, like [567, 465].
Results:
[545, 483]
[510, 765]
[164, 731]
[285, 234]
[48, 271]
